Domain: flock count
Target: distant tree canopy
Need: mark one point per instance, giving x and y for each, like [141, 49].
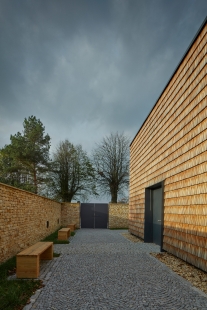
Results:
[111, 162]
[73, 175]
[24, 162]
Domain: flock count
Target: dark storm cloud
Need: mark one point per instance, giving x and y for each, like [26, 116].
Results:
[86, 68]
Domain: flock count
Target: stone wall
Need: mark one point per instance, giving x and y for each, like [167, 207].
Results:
[25, 218]
[70, 214]
[118, 215]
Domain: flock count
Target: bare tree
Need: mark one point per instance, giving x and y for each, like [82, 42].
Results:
[73, 175]
[111, 161]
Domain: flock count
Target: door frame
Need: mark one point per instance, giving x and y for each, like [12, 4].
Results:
[148, 220]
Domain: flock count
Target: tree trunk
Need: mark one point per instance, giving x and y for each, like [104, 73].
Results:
[114, 196]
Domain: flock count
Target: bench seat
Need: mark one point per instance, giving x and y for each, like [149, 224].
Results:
[28, 261]
[63, 234]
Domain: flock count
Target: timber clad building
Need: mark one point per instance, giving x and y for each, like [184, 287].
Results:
[168, 163]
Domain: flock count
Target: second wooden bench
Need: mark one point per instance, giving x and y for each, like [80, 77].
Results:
[63, 234]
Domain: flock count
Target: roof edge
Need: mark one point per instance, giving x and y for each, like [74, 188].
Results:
[176, 69]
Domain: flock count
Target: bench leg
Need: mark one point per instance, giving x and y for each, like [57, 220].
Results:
[47, 254]
[28, 266]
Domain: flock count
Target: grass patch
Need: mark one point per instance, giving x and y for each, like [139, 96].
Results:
[14, 294]
[54, 238]
[61, 241]
[7, 268]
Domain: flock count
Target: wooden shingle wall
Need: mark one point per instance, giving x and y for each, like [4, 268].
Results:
[172, 146]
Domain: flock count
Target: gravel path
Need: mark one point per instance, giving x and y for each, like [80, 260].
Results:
[100, 269]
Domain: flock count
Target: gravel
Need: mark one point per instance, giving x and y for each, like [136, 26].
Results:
[100, 269]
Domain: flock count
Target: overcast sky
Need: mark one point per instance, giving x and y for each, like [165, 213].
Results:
[86, 68]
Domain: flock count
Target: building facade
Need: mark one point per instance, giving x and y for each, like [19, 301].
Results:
[168, 163]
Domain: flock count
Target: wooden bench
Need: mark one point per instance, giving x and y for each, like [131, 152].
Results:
[28, 261]
[63, 234]
[71, 226]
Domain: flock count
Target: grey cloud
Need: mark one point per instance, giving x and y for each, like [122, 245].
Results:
[86, 68]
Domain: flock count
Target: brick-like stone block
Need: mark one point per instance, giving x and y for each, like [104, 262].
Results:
[118, 215]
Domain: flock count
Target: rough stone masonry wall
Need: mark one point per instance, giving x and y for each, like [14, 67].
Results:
[70, 214]
[23, 219]
[118, 215]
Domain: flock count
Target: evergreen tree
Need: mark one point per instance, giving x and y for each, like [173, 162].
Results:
[25, 161]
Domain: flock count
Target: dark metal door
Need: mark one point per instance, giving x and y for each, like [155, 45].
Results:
[101, 215]
[157, 214]
[87, 215]
[94, 215]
